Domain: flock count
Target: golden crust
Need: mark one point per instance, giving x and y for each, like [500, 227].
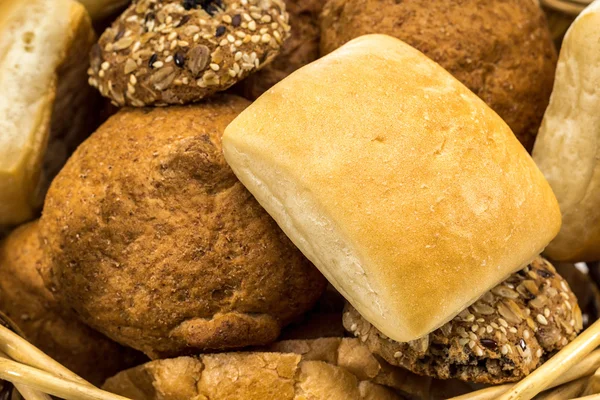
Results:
[50, 327]
[502, 51]
[175, 52]
[155, 243]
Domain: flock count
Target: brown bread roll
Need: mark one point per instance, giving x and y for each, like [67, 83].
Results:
[154, 242]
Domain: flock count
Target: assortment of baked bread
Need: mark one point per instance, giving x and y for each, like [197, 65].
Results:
[266, 148]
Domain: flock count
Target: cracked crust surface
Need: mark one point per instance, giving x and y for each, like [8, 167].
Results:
[154, 242]
[501, 50]
[245, 376]
[161, 52]
[502, 337]
[35, 310]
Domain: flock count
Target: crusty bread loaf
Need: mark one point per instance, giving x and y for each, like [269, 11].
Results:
[409, 194]
[43, 53]
[247, 376]
[568, 145]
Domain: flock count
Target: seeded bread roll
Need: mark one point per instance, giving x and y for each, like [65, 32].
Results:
[568, 148]
[45, 101]
[47, 325]
[301, 48]
[177, 52]
[501, 338]
[155, 243]
[501, 50]
[248, 376]
[410, 194]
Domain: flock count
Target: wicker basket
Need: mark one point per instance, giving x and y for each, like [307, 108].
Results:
[27, 373]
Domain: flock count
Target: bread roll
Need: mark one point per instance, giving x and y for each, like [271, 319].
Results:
[47, 325]
[246, 376]
[568, 145]
[43, 61]
[409, 194]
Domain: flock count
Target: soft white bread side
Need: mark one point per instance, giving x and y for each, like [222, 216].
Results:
[410, 195]
[99, 9]
[43, 51]
[567, 149]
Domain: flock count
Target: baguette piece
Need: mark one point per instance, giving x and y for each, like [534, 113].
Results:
[44, 95]
[568, 145]
[410, 195]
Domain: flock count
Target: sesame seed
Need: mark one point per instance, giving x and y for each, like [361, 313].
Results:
[564, 341]
[231, 73]
[274, 25]
[196, 37]
[130, 88]
[238, 56]
[214, 67]
[564, 286]
[472, 336]
[277, 36]
[172, 35]
[136, 46]
[236, 20]
[471, 344]
[263, 31]
[503, 322]
[132, 79]
[132, 18]
[470, 317]
[169, 59]
[173, 45]
[158, 64]
[526, 334]
[247, 17]
[398, 354]
[512, 329]
[504, 349]
[169, 20]
[101, 73]
[478, 351]
[105, 65]
[223, 42]
[240, 34]
[185, 80]
[546, 312]
[255, 38]
[494, 325]
[503, 330]
[364, 338]
[463, 341]
[231, 38]
[475, 328]
[480, 320]
[266, 19]
[541, 319]
[227, 19]
[572, 322]
[237, 43]
[256, 15]
[489, 329]
[183, 43]
[538, 353]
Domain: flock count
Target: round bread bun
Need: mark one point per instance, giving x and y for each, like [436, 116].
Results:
[154, 242]
[248, 376]
[501, 50]
[53, 329]
[301, 48]
[501, 338]
[177, 52]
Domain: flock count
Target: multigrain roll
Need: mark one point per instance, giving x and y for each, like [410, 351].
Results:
[47, 325]
[409, 194]
[301, 48]
[568, 148]
[178, 52]
[46, 104]
[248, 376]
[502, 337]
[154, 242]
[501, 50]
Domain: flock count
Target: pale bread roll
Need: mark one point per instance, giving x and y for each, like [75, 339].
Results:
[43, 62]
[410, 195]
[567, 149]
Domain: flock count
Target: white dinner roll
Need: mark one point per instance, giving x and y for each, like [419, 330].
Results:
[404, 188]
